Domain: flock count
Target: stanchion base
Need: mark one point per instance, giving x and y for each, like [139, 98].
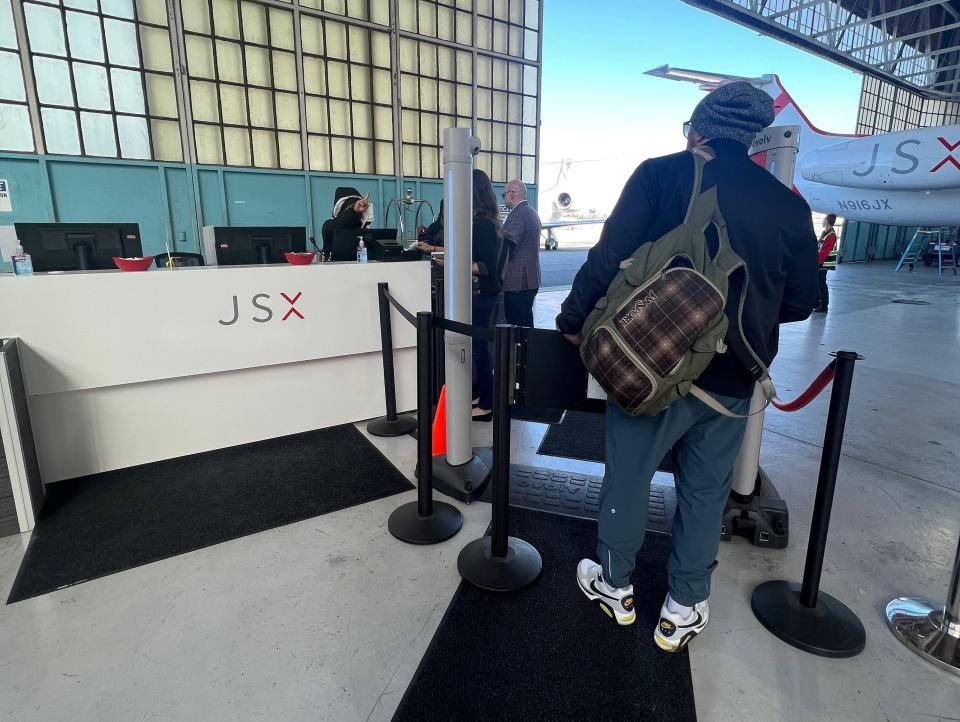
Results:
[466, 481]
[919, 624]
[385, 427]
[517, 569]
[829, 629]
[407, 525]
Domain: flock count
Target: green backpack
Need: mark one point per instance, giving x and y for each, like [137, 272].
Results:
[663, 318]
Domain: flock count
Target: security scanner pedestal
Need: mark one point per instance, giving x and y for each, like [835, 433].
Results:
[463, 471]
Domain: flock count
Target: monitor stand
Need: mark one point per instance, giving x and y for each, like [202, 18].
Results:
[83, 256]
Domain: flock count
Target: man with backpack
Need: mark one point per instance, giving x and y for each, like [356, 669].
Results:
[758, 269]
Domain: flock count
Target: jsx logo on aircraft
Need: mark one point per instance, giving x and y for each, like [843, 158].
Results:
[265, 312]
[914, 161]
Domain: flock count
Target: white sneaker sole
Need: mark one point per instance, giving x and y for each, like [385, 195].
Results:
[670, 646]
[621, 619]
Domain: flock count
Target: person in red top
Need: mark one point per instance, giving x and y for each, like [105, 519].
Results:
[827, 261]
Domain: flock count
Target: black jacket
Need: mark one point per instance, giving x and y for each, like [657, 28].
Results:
[769, 226]
[489, 253]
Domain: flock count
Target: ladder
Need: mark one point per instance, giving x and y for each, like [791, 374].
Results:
[913, 254]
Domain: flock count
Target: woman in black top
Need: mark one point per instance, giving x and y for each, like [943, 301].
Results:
[350, 210]
[489, 258]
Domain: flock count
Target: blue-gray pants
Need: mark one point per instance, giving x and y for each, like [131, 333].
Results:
[706, 445]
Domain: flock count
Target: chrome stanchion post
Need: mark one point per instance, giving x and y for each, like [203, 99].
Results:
[499, 562]
[931, 630]
[391, 424]
[425, 521]
[803, 616]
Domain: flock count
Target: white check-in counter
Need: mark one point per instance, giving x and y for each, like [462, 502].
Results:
[128, 368]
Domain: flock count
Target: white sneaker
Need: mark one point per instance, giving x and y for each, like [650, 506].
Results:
[616, 602]
[674, 631]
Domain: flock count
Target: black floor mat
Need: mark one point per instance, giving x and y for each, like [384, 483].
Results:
[545, 652]
[571, 494]
[105, 523]
[581, 435]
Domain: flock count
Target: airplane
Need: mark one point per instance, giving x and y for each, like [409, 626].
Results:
[565, 200]
[904, 178]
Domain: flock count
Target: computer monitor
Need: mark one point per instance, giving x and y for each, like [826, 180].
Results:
[251, 245]
[78, 246]
[381, 245]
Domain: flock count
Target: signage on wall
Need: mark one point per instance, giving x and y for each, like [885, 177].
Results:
[5, 203]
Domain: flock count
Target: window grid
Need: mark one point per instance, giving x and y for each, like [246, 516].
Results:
[216, 132]
[13, 100]
[503, 103]
[108, 64]
[369, 153]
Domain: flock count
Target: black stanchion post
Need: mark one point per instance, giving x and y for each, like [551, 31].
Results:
[391, 424]
[438, 350]
[425, 521]
[802, 615]
[500, 562]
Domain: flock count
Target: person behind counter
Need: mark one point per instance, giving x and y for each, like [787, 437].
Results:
[489, 258]
[350, 210]
[431, 237]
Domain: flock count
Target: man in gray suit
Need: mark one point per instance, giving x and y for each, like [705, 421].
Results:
[521, 279]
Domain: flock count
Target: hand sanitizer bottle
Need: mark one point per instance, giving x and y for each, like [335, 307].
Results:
[361, 251]
[22, 263]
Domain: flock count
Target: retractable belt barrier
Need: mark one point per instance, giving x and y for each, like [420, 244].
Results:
[537, 369]
[391, 424]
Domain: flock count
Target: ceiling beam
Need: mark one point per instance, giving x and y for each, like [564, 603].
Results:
[886, 16]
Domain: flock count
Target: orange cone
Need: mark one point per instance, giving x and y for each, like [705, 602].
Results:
[440, 425]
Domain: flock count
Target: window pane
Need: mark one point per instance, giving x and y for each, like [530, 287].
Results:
[360, 82]
[237, 143]
[284, 71]
[92, 90]
[342, 156]
[381, 49]
[81, 4]
[233, 104]
[98, 138]
[203, 97]
[258, 66]
[46, 31]
[340, 117]
[166, 140]
[254, 23]
[363, 156]
[121, 43]
[195, 15]
[384, 158]
[151, 11]
[226, 20]
[208, 144]
[362, 121]
[261, 108]
[15, 130]
[290, 151]
[288, 111]
[199, 57]
[83, 31]
[281, 29]
[318, 148]
[229, 61]
[338, 78]
[337, 40]
[264, 149]
[161, 96]
[317, 115]
[382, 87]
[8, 33]
[127, 91]
[311, 35]
[314, 76]
[383, 123]
[120, 8]
[155, 44]
[134, 141]
[11, 77]
[53, 81]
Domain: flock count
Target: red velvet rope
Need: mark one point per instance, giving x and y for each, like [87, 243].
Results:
[814, 390]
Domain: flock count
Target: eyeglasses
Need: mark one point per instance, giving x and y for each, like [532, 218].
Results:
[686, 129]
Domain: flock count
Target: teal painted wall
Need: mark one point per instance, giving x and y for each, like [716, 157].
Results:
[171, 202]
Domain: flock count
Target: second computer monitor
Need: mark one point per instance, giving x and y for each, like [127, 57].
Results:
[251, 245]
[78, 246]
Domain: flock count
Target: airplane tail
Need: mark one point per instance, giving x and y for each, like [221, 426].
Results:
[786, 109]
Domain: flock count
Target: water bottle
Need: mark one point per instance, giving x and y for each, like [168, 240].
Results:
[22, 262]
[361, 251]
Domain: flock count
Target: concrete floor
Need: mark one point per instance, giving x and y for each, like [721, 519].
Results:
[327, 619]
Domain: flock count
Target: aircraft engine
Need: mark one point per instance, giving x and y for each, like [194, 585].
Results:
[921, 159]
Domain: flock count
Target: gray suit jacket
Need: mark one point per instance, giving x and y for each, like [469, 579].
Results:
[522, 230]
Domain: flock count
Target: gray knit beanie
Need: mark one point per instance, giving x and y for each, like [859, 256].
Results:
[737, 111]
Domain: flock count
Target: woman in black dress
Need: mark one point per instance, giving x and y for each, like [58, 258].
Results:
[489, 258]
